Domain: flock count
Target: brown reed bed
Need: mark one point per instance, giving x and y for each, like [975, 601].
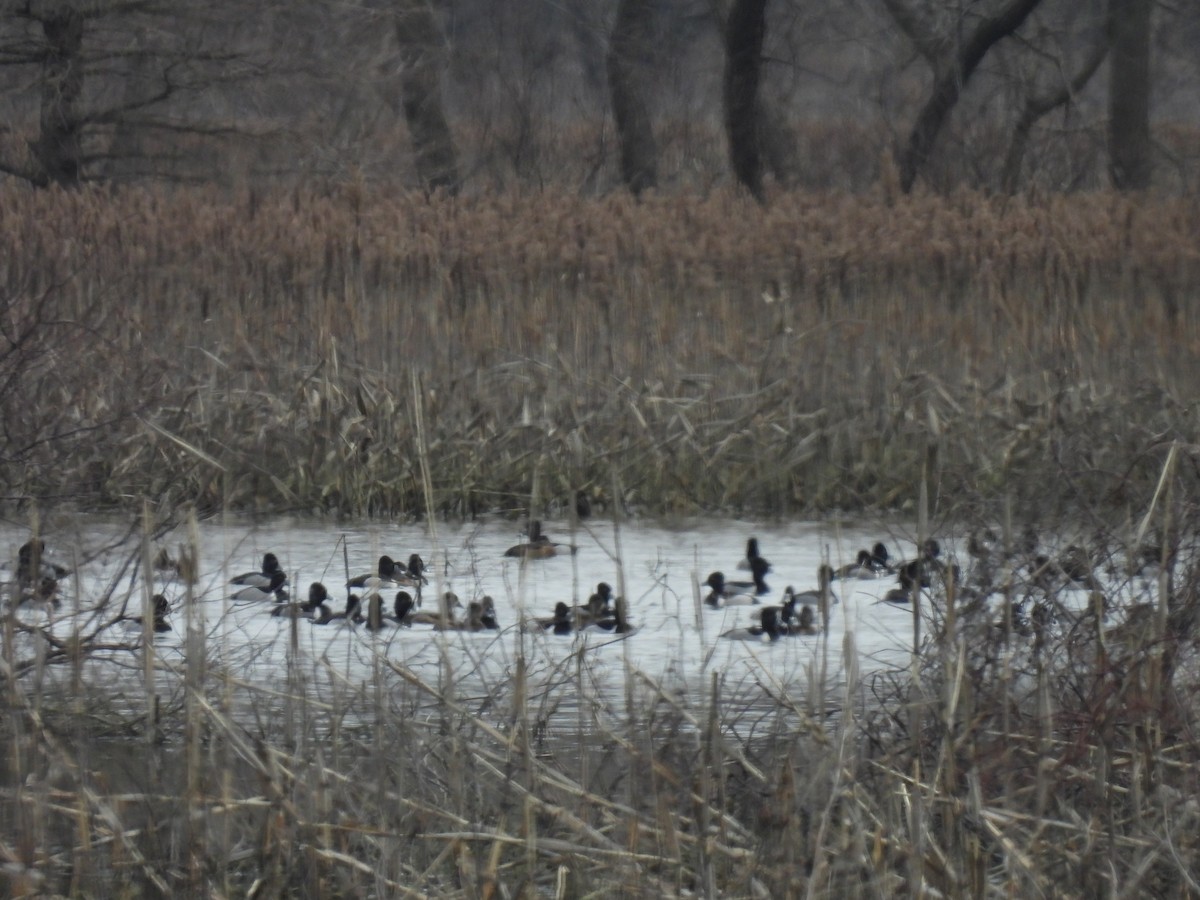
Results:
[267, 349]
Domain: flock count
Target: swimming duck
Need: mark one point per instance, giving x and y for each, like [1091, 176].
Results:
[539, 545]
[738, 593]
[273, 590]
[476, 619]
[906, 584]
[403, 607]
[487, 617]
[162, 609]
[881, 559]
[814, 596]
[862, 567]
[265, 578]
[560, 623]
[766, 632]
[805, 623]
[751, 555]
[33, 568]
[412, 575]
[352, 613]
[926, 563]
[311, 608]
[597, 610]
[440, 620]
[383, 576]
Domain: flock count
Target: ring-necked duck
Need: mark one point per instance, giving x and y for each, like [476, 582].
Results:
[560, 623]
[751, 555]
[352, 613]
[862, 567]
[162, 609]
[264, 578]
[383, 576]
[881, 560]
[32, 566]
[736, 593]
[767, 631]
[311, 608]
[814, 596]
[447, 619]
[274, 590]
[539, 545]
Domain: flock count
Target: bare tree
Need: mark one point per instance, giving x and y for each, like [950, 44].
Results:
[954, 49]
[627, 46]
[745, 30]
[422, 58]
[1042, 104]
[1129, 94]
[76, 75]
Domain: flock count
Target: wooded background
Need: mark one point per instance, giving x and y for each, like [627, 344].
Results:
[590, 95]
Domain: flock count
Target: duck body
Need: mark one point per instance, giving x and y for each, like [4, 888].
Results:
[863, 567]
[318, 597]
[752, 553]
[263, 578]
[815, 596]
[272, 591]
[162, 608]
[384, 575]
[539, 545]
[768, 631]
[738, 593]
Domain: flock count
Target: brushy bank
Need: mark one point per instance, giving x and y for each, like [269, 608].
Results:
[269, 351]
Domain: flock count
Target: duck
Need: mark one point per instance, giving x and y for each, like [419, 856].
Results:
[804, 624]
[376, 620]
[881, 560]
[412, 575]
[560, 623]
[311, 608]
[476, 620]
[162, 609]
[403, 607]
[273, 590]
[488, 615]
[925, 564]
[738, 593]
[439, 620]
[539, 545]
[352, 613]
[751, 555]
[384, 574]
[767, 631]
[598, 609]
[814, 596]
[263, 578]
[862, 567]
[33, 568]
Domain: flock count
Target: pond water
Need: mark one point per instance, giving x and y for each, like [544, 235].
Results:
[661, 569]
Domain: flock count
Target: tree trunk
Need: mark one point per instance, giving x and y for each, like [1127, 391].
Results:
[628, 43]
[420, 90]
[1043, 104]
[1129, 94]
[949, 81]
[58, 148]
[745, 31]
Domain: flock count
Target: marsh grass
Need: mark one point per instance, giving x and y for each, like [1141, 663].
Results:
[259, 348]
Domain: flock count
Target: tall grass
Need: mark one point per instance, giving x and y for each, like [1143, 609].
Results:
[258, 347]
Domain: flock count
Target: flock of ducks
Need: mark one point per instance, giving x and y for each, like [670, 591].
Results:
[804, 612]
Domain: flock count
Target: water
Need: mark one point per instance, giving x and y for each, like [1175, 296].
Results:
[676, 642]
